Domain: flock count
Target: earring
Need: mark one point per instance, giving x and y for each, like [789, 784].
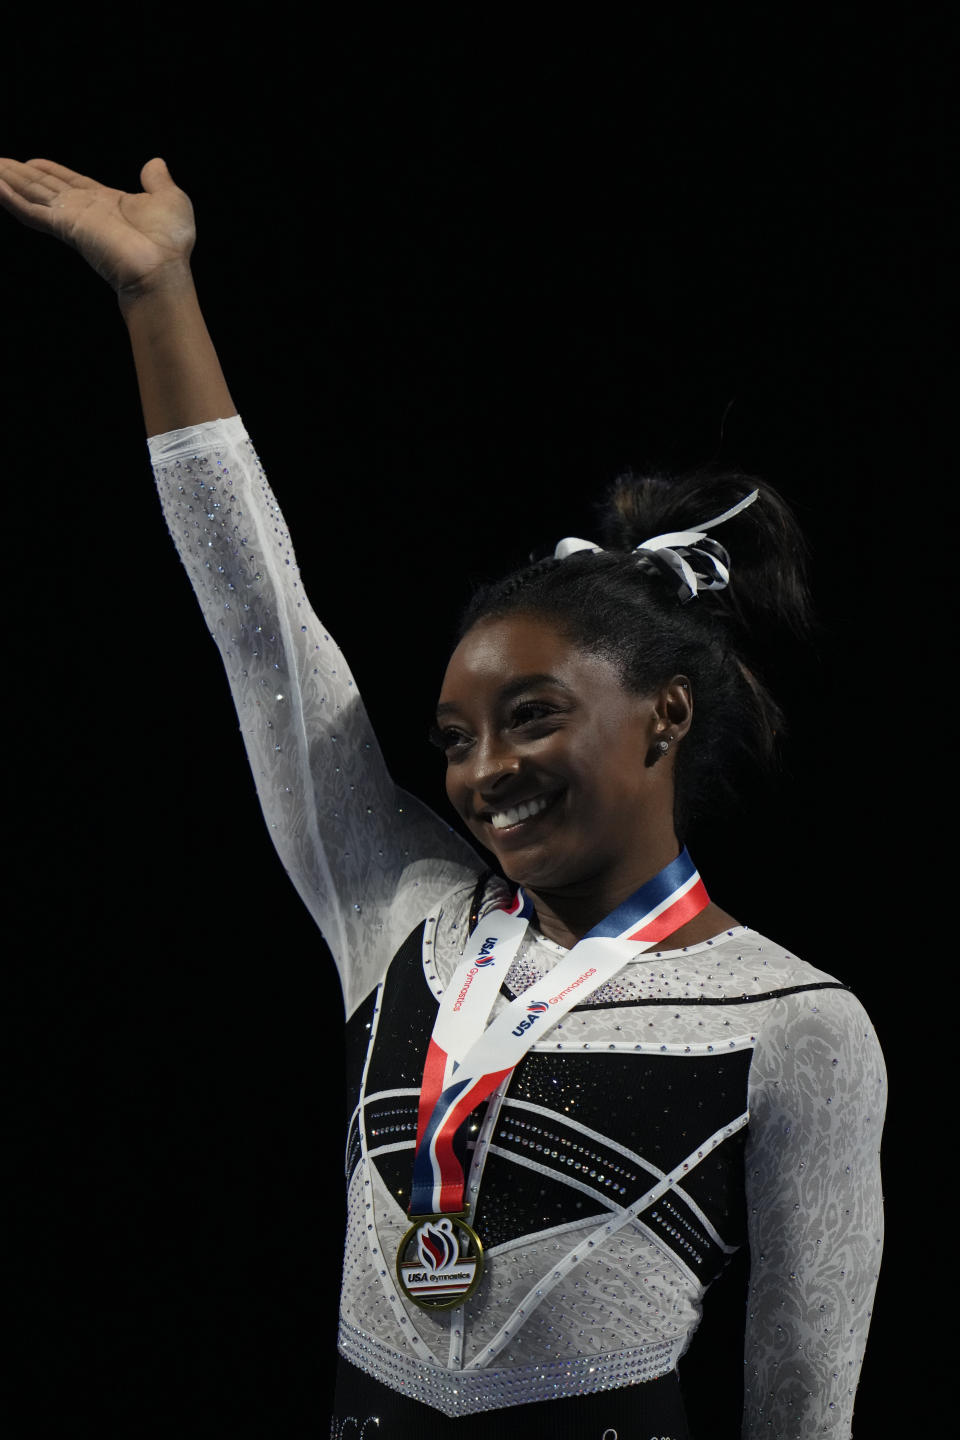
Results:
[663, 746]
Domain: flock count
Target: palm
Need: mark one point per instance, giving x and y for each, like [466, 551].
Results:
[126, 237]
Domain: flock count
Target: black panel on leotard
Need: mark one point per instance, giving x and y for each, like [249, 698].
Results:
[558, 1118]
[357, 1041]
[517, 1200]
[405, 1023]
[717, 1186]
[665, 1105]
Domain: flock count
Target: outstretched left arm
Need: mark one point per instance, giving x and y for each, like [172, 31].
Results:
[815, 1213]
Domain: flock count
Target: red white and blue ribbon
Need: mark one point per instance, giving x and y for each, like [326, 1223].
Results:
[467, 1059]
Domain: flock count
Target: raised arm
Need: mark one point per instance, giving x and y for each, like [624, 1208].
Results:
[140, 244]
[368, 861]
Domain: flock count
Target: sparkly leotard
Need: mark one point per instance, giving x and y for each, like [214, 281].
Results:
[707, 1098]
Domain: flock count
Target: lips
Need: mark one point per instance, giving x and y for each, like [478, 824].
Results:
[523, 811]
[511, 817]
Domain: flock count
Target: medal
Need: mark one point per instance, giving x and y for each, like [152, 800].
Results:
[440, 1260]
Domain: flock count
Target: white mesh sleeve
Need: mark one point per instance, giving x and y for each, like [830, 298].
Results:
[815, 1212]
[368, 860]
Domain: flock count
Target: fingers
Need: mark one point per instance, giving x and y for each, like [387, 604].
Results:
[34, 190]
[28, 183]
[60, 172]
[25, 192]
[20, 176]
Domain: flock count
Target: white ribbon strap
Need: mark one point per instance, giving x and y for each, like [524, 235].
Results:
[697, 566]
[571, 545]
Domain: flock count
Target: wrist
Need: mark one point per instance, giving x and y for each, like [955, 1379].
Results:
[170, 282]
[178, 372]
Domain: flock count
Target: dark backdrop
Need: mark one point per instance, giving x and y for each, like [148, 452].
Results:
[457, 282]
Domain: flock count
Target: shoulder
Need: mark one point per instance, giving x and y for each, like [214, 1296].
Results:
[815, 1045]
[753, 965]
[766, 967]
[738, 967]
[797, 988]
[810, 1032]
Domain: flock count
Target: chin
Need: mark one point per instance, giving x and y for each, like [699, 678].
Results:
[541, 873]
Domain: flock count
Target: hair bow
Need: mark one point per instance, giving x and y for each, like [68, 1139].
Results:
[697, 562]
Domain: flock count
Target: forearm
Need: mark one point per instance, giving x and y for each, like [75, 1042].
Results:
[178, 372]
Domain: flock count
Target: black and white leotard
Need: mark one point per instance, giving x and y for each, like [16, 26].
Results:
[722, 1095]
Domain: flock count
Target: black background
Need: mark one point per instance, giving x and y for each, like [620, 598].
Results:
[458, 276]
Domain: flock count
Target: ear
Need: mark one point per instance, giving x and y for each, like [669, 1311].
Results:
[673, 713]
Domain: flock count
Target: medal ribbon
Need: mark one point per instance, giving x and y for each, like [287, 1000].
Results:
[467, 1059]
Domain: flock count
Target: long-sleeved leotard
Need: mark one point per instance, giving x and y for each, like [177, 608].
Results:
[705, 1098]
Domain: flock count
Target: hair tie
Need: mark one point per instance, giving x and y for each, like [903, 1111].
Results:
[697, 562]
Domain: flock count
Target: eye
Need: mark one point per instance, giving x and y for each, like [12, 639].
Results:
[532, 712]
[447, 737]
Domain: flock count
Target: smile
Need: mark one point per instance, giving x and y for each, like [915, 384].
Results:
[526, 810]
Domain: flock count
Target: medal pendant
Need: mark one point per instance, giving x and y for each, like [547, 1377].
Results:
[439, 1262]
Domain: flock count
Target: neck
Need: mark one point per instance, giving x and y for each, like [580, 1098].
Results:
[567, 913]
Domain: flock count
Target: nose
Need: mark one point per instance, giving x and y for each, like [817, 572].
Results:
[493, 761]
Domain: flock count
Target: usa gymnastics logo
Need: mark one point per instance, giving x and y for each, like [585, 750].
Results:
[535, 1009]
[485, 957]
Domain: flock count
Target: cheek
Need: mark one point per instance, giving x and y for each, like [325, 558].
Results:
[602, 754]
[616, 765]
[453, 786]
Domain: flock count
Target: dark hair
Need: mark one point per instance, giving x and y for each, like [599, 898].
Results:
[610, 605]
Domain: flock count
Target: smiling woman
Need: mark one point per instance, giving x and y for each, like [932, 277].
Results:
[577, 1087]
[559, 773]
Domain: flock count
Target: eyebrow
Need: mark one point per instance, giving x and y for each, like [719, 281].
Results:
[514, 687]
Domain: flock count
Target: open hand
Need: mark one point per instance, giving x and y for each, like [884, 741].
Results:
[131, 239]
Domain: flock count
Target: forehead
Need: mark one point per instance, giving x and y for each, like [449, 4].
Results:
[497, 652]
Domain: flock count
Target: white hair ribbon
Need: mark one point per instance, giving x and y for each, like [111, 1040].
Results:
[698, 566]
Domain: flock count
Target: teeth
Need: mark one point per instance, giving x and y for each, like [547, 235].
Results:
[522, 812]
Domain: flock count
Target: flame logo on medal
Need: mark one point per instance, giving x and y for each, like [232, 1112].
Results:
[442, 1271]
[437, 1247]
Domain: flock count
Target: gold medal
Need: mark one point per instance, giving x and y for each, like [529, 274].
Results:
[439, 1262]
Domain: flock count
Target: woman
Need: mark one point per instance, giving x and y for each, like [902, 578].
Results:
[578, 1089]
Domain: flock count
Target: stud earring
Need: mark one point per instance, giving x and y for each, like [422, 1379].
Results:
[663, 746]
